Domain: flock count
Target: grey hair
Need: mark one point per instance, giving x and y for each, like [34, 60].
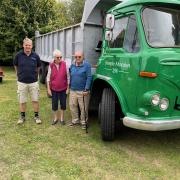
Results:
[56, 52]
[26, 39]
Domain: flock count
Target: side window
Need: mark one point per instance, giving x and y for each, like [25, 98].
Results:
[119, 33]
[131, 41]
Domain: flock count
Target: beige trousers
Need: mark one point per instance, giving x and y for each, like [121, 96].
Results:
[75, 100]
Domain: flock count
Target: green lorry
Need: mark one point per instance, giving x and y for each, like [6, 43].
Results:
[137, 80]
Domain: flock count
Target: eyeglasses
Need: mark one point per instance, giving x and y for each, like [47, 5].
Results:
[78, 57]
[59, 57]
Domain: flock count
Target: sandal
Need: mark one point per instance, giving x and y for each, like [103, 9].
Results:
[54, 122]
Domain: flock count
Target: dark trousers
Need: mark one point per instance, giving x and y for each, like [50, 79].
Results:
[56, 97]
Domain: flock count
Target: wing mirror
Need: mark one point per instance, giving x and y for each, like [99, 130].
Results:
[108, 35]
[110, 21]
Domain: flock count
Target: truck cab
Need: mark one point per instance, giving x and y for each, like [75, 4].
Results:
[137, 80]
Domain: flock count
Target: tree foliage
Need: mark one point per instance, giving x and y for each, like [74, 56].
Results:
[21, 18]
[75, 10]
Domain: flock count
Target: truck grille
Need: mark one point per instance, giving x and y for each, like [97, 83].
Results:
[177, 104]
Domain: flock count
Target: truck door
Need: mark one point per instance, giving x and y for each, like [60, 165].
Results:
[122, 59]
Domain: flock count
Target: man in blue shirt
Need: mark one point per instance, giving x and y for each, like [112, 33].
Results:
[27, 64]
[80, 82]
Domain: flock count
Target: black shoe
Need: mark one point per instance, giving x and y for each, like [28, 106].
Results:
[62, 122]
[54, 122]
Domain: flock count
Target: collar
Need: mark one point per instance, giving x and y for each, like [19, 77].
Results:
[26, 54]
[57, 64]
[74, 63]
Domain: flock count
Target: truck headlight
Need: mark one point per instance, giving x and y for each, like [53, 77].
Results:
[164, 104]
[155, 99]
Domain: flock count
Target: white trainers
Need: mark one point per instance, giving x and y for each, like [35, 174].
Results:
[21, 120]
[37, 120]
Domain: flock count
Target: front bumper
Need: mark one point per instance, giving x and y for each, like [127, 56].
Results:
[151, 125]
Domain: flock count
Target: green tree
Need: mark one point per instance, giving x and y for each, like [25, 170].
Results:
[20, 18]
[75, 10]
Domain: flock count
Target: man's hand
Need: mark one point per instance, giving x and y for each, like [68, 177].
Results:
[85, 93]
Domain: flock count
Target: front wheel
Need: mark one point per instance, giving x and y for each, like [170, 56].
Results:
[107, 114]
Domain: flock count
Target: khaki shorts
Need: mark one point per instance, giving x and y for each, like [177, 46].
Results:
[24, 89]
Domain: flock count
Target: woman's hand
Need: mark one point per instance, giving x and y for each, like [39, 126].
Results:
[49, 92]
[67, 91]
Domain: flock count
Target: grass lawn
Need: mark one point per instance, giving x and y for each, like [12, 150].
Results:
[44, 151]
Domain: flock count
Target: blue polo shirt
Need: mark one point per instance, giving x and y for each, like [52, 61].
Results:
[27, 66]
[80, 76]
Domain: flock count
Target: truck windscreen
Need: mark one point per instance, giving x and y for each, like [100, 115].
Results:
[162, 26]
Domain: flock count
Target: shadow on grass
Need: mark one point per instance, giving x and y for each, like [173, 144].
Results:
[164, 137]
[165, 140]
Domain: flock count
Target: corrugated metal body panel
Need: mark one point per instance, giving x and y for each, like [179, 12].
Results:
[78, 39]
[92, 34]
[66, 40]
[70, 40]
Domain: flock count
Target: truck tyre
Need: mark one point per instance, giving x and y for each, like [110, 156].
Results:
[42, 73]
[107, 114]
[99, 113]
